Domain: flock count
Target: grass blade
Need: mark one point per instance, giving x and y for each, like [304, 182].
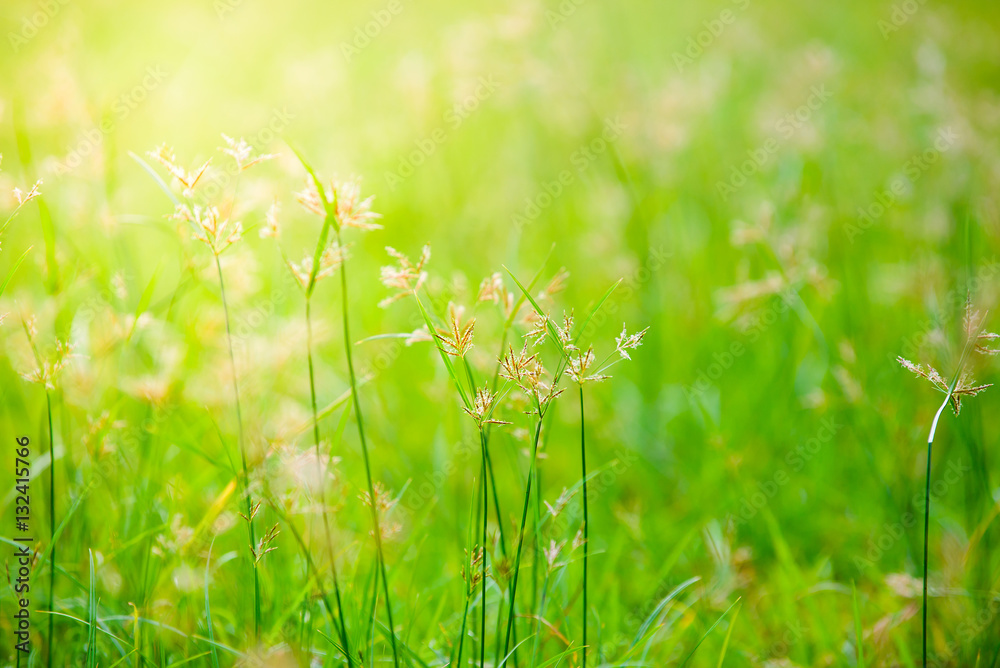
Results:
[13, 269]
[709, 631]
[859, 633]
[729, 635]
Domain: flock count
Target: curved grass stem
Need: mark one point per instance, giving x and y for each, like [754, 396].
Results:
[243, 456]
[377, 530]
[486, 515]
[52, 523]
[586, 522]
[322, 491]
[520, 536]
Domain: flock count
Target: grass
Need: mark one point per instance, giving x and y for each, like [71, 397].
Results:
[788, 202]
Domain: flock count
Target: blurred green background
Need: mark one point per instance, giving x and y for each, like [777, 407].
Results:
[793, 194]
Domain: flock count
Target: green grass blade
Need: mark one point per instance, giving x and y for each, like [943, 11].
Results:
[208, 608]
[144, 300]
[13, 269]
[531, 286]
[859, 633]
[156, 177]
[709, 631]
[597, 307]
[729, 635]
[445, 357]
[659, 608]
[553, 333]
[92, 615]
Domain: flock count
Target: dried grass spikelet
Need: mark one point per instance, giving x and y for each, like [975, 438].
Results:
[242, 153]
[457, 339]
[475, 567]
[210, 227]
[626, 342]
[271, 229]
[552, 553]
[406, 277]
[492, 289]
[419, 335]
[483, 406]
[383, 498]
[264, 545]
[23, 197]
[188, 179]
[46, 370]
[345, 196]
[329, 262]
[977, 341]
[526, 371]
[579, 368]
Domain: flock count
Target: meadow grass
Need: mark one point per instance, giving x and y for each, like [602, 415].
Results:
[787, 197]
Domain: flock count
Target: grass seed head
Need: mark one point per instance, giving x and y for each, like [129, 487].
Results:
[482, 408]
[580, 367]
[406, 277]
[242, 153]
[189, 179]
[626, 342]
[457, 339]
[271, 229]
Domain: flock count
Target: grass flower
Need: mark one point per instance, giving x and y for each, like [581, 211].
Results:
[330, 260]
[188, 179]
[626, 342]
[457, 339]
[406, 277]
[961, 385]
[210, 227]
[580, 366]
[242, 153]
[345, 198]
[271, 229]
[482, 408]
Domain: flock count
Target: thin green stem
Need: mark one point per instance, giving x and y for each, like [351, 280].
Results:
[586, 522]
[541, 612]
[467, 573]
[364, 452]
[322, 486]
[465, 616]
[243, 456]
[520, 535]
[927, 518]
[486, 515]
[52, 524]
[927, 514]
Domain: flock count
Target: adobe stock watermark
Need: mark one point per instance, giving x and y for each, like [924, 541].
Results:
[224, 8]
[713, 29]
[219, 180]
[892, 532]
[33, 23]
[122, 106]
[784, 129]
[426, 146]
[913, 170]
[964, 634]
[365, 34]
[562, 12]
[911, 346]
[900, 15]
[723, 361]
[580, 160]
[792, 633]
[794, 460]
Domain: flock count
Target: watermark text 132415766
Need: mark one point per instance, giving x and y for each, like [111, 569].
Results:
[22, 536]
